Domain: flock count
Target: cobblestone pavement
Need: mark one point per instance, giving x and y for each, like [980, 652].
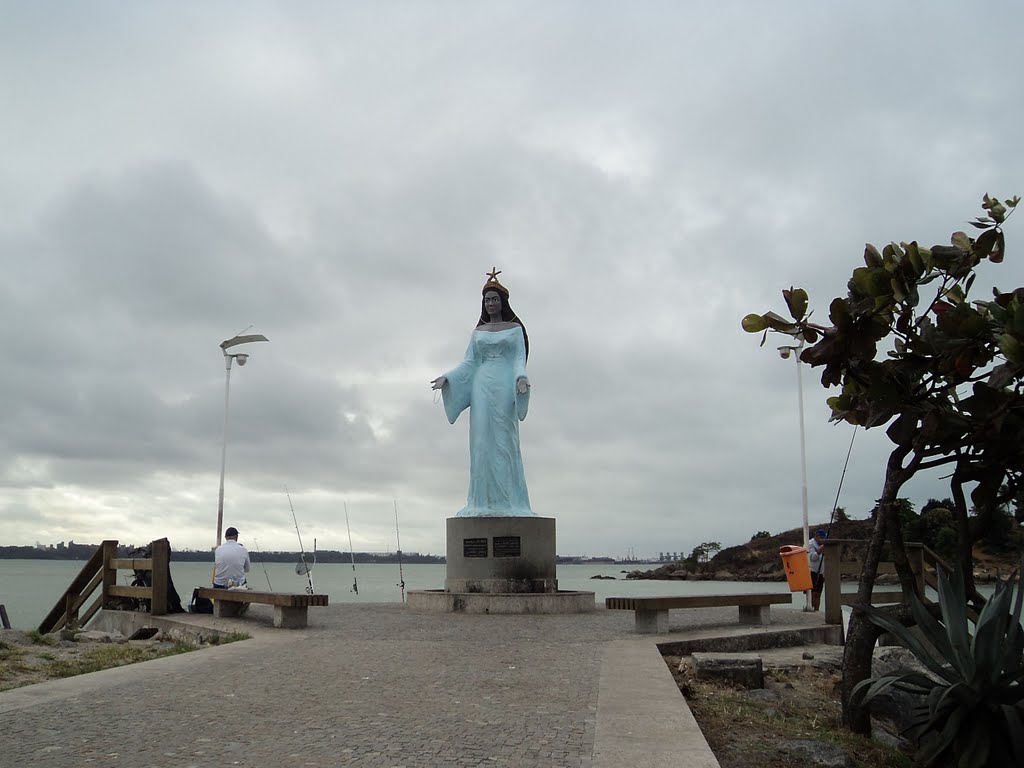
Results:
[370, 685]
[365, 685]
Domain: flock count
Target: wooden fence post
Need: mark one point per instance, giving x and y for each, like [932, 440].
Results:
[71, 610]
[161, 549]
[109, 574]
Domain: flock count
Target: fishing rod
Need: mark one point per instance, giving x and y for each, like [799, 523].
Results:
[835, 504]
[398, 541]
[302, 567]
[351, 552]
[263, 563]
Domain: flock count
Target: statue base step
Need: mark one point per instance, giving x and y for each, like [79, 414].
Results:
[443, 601]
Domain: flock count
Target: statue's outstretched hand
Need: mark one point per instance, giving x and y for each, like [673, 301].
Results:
[522, 384]
[439, 382]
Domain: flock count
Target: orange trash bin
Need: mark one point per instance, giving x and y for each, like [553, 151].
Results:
[797, 567]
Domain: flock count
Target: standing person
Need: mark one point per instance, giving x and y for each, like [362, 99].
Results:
[231, 562]
[492, 383]
[816, 556]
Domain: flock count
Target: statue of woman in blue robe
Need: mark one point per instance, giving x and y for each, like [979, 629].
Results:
[492, 383]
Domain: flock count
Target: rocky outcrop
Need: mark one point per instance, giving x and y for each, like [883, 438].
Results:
[670, 571]
[758, 559]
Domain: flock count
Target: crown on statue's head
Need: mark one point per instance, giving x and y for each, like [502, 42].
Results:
[492, 283]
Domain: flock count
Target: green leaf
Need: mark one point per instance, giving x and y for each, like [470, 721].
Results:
[914, 256]
[839, 312]
[872, 257]
[974, 752]
[796, 300]
[983, 245]
[953, 603]
[1017, 582]
[998, 250]
[916, 683]
[1012, 348]
[754, 323]
[897, 289]
[910, 641]
[940, 739]
[1012, 651]
[891, 257]
[932, 630]
[961, 241]
[779, 323]
[873, 687]
[1014, 717]
[990, 634]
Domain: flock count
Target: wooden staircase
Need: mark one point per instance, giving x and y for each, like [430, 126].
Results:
[100, 571]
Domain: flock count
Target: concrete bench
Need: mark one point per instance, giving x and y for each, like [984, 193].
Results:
[289, 608]
[651, 613]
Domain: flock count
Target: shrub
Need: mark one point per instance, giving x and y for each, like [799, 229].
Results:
[972, 708]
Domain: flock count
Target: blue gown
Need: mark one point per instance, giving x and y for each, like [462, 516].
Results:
[485, 382]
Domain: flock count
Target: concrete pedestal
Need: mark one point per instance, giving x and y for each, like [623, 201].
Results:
[501, 555]
[501, 565]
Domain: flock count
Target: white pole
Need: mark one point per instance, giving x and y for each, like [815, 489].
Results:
[803, 459]
[224, 447]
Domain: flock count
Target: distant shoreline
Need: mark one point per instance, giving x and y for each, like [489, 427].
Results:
[81, 552]
[85, 551]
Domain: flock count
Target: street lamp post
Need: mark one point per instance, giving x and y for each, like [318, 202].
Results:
[784, 353]
[242, 358]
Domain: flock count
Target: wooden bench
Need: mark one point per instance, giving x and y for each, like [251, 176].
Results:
[651, 613]
[289, 608]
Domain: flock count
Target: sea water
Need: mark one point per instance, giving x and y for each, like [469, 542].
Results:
[30, 588]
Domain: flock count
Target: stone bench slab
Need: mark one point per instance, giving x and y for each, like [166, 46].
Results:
[290, 608]
[651, 613]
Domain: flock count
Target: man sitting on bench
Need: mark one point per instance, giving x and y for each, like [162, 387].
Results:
[231, 562]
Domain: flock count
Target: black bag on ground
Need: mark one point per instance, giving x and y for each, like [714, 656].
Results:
[200, 604]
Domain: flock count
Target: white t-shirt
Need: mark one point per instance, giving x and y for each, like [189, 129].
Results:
[816, 556]
[232, 563]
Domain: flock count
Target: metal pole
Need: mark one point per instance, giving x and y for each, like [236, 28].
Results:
[224, 447]
[803, 458]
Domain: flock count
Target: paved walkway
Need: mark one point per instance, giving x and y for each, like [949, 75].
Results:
[380, 685]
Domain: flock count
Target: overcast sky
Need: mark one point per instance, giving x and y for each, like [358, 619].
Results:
[342, 176]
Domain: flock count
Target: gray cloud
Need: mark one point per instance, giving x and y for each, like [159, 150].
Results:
[341, 177]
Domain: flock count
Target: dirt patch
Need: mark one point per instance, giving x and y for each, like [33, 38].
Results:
[795, 718]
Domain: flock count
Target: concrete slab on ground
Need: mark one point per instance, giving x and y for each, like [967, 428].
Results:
[381, 685]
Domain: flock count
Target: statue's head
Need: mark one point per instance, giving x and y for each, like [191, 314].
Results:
[494, 289]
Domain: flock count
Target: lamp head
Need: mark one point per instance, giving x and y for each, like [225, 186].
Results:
[242, 358]
[784, 352]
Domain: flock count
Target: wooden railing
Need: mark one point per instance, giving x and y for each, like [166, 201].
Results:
[843, 557]
[101, 571]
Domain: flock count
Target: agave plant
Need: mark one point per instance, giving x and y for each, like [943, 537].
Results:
[972, 708]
